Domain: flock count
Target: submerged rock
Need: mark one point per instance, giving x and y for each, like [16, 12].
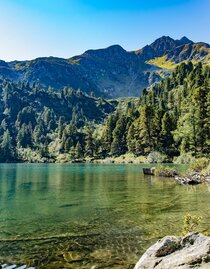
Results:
[190, 251]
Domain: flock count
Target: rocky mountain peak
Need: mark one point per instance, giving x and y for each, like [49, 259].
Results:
[158, 48]
[184, 41]
[112, 50]
[163, 44]
[110, 72]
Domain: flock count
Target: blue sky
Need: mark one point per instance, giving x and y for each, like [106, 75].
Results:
[64, 28]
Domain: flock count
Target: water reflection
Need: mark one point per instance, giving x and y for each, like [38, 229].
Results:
[105, 214]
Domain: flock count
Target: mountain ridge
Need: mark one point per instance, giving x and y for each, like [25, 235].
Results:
[110, 72]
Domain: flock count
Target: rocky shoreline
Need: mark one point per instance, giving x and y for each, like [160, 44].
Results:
[190, 179]
[190, 251]
[193, 179]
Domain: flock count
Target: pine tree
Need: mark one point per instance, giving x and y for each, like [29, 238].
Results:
[208, 123]
[89, 142]
[60, 126]
[185, 135]
[166, 133]
[78, 151]
[118, 145]
[107, 135]
[144, 130]
[39, 133]
[7, 152]
[131, 142]
[200, 98]
[72, 153]
[68, 144]
[24, 136]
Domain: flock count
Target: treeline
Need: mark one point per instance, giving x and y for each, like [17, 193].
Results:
[172, 117]
[33, 118]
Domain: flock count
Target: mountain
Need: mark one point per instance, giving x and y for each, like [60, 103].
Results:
[42, 125]
[158, 48]
[111, 72]
[182, 50]
[184, 40]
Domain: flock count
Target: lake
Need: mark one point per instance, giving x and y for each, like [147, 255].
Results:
[90, 215]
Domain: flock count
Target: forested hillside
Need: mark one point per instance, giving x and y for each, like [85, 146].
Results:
[31, 118]
[172, 117]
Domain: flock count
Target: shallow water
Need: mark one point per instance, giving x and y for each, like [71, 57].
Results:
[89, 216]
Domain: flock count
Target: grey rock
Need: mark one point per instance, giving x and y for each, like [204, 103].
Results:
[193, 179]
[187, 180]
[190, 251]
[207, 179]
[149, 171]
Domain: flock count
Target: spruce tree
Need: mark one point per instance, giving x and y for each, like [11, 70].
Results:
[7, 151]
[118, 145]
[68, 144]
[78, 151]
[144, 131]
[72, 153]
[107, 135]
[60, 126]
[166, 134]
[89, 142]
[131, 142]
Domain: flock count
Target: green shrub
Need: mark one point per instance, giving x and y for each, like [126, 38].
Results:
[206, 171]
[156, 157]
[199, 164]
[191, 224]
[184, 158]
[165, 171]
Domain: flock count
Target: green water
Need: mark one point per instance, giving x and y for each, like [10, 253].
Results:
[89, 216]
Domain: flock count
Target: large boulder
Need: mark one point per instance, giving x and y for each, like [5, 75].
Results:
[190, 251]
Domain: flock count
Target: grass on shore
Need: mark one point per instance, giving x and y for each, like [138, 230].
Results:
[165, 171]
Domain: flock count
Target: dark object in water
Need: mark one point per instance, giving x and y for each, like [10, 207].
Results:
[149, 171]
[68, 205]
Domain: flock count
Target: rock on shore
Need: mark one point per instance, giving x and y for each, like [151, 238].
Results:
[193, 179]
[190, 251]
